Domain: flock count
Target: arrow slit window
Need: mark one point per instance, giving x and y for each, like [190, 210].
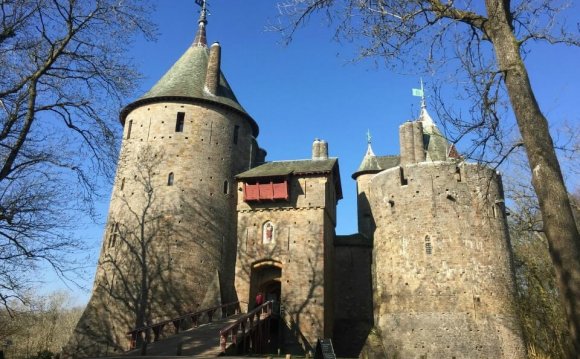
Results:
[179, 122]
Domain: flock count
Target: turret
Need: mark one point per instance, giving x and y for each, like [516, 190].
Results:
[369, 167]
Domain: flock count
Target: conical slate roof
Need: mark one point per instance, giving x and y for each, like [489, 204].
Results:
[185, 81]
[375, 164]
[186, 78]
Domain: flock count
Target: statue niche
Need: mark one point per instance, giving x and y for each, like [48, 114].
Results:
[268, 233]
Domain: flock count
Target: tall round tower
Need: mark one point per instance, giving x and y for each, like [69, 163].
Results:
[169, 245]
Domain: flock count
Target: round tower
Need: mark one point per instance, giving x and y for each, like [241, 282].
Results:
[170, 242]
[442, 267]
[369, 167]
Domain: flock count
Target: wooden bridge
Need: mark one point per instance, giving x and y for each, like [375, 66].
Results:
[203, 334]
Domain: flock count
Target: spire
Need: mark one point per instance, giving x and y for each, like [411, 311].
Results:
[369, 148]
[369, 162]
[200, 38]
[425, 117]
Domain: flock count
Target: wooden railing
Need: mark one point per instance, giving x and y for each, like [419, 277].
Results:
[178, 323]
[255, 324]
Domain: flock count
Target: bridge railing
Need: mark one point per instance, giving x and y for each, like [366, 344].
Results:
[255, 324]
[179, 322]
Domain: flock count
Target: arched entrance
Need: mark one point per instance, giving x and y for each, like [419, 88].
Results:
[266, 278]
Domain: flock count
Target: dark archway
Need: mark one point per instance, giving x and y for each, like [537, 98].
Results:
[266, 278]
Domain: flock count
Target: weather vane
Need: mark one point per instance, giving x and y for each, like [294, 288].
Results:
[203, 4]
[420, 93]
[369, 136]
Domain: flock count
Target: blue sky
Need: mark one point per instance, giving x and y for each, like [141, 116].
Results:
[311, 89]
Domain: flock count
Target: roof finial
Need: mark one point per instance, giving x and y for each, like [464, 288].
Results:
[200, 38]
[369, 148]
[203, 14]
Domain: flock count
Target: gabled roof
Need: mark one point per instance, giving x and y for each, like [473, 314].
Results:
[295, 167]
[284, 168]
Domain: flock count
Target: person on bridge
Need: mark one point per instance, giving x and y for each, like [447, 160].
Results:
[259, 299]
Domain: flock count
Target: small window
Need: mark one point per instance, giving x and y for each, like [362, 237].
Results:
[226, 187]
[129, 127]
[404, 181]
[236, 134]
[428, 246]
[179, 122]
[113, 235]
[170, 179]
[123, 183]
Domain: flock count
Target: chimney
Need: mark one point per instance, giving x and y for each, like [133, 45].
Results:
[315, 149]
[406, 139]
[418, 146]
[319, 150]
[212, 77]
[323, 150]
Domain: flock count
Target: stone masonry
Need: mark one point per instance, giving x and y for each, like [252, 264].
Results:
[441, 263]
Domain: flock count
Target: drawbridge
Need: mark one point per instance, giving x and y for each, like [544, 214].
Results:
[206, 333]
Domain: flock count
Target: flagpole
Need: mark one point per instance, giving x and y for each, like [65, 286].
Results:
[422, 95]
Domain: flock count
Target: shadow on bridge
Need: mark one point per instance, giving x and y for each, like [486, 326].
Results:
[210, 332]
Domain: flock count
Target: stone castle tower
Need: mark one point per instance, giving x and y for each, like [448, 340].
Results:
[443, 284]
[197, 218]
[169, 244]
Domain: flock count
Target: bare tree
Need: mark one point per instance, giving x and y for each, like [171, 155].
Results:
[44, 324]
[64, 74]
[485, 44]
[543, 317]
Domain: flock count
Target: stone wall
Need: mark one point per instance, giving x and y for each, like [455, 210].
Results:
[353, 306]
[442, 268]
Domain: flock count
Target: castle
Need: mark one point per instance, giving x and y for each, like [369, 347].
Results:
[198, 217]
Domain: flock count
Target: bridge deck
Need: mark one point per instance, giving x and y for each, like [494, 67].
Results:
[202, 341]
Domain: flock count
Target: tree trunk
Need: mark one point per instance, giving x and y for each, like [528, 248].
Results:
[559, 224]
